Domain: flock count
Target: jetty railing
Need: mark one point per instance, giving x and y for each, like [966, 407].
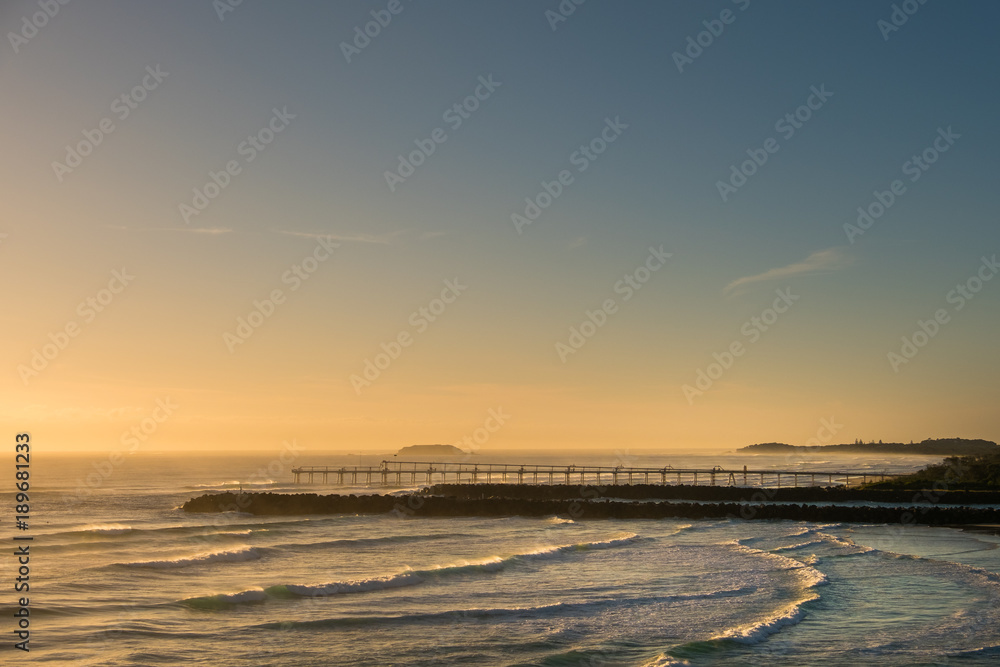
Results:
[399, 473]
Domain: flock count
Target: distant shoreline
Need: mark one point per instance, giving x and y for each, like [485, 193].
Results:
[943, 447]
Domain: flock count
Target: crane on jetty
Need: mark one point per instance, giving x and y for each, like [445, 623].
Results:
[400, 473]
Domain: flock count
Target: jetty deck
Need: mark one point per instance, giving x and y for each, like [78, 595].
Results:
[400, 473]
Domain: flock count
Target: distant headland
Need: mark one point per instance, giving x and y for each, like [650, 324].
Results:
[431, 450]
[940, 447]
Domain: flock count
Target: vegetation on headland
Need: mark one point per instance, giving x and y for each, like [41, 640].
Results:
[955, 472]
[929, 447]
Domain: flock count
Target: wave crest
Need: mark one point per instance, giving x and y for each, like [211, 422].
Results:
[226, 600]
[754, 633]
[229, 556]
[399, 580]
[104, 529]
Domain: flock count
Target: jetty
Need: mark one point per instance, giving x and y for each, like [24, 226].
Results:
[400, 473]
[576, 506]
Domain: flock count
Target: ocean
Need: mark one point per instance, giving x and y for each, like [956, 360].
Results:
[121, 576]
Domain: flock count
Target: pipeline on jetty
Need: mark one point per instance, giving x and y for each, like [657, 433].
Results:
[398, 473]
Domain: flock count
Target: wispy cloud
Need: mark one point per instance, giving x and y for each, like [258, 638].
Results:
[385, 238]
[831, 259]
[196, 230]
[190, 230]
[578, 242]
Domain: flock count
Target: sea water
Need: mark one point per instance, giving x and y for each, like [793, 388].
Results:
[121, 576]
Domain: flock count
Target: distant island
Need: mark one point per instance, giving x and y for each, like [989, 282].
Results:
[940, 447]
[431, 450]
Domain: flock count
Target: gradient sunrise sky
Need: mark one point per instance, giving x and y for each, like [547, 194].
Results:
[339, 109]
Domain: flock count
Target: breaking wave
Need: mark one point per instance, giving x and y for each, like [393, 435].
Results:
[229, 556]
[399, 580]
[530, 612]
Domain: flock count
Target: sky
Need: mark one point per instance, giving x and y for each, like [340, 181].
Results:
[528, 225]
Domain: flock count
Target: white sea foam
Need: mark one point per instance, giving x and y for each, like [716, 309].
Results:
[234, 484]
[753, 633]
[800, 532]
[229, 556]
[497, 562]
[622, 540]
[664, 660]
[677, 530]
[809, 576]
[845, 543]
[800, 545]
[360, 586]
[254, 595]
[105, 528]
[460, 567]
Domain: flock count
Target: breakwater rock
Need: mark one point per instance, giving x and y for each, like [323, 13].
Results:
[811, 494]
[421, 505]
